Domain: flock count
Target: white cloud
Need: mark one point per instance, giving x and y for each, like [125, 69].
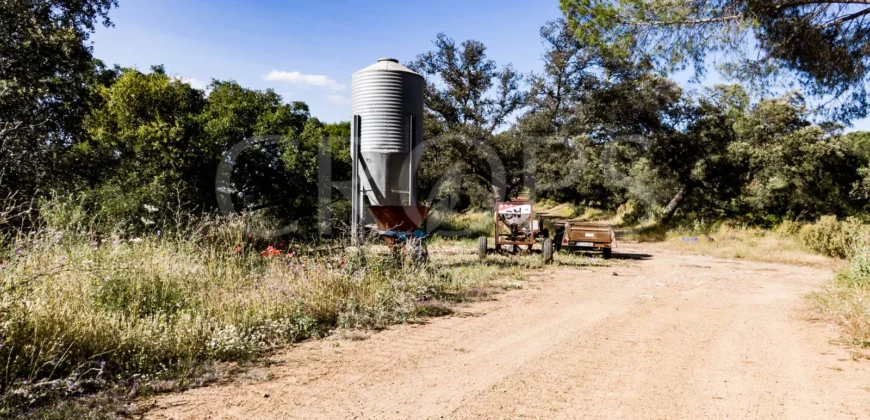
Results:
[304, 80]
[337, 99]
[192, 81]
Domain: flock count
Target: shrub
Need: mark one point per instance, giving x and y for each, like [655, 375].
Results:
[789, 228]
[834, 238]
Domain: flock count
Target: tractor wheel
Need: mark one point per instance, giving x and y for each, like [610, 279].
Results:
[558, 240]
[607, 252]
[481, 247]
[547, 246]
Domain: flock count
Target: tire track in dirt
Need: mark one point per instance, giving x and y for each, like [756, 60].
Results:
[674, 336]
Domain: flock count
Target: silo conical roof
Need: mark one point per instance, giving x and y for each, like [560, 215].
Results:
[388, 64]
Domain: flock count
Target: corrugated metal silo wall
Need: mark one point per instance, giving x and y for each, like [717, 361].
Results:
[385, 96]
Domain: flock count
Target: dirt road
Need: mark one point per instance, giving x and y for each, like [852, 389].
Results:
[668, 336]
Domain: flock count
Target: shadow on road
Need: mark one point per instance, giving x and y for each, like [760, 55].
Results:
[616, 255]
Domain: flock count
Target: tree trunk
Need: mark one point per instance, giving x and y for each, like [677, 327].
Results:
[671, 208]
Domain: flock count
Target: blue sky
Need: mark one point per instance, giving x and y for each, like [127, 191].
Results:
[311, 48]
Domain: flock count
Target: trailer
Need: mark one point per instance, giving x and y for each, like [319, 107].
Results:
[586, 236]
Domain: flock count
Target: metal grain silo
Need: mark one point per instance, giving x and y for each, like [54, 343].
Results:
[387, 109]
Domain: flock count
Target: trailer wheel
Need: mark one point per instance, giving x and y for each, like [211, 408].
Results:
[558, 238]
[547, 246]
[481, 247]
[607, 252]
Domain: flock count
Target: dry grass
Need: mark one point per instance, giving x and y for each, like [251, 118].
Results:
[849, 308]
[742, 243]
[846, 301]
[79, 314]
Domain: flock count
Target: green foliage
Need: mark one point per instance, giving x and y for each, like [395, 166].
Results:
[823, 43]
[469, 78]
[46, 75]
[845, 301]
[835, 238]
[795, 169]
[467, 97]
[469, 224]
[145, 139]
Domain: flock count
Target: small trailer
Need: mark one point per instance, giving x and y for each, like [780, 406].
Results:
[586, 236]
[517, 228]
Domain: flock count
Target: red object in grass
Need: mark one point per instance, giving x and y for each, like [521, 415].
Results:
[270, 252]
[341, 261]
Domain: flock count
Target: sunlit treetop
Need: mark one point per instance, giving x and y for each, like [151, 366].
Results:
[822, 46]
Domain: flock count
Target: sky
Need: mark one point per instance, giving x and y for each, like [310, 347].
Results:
[307, 50]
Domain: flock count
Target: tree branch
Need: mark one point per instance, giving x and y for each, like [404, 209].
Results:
[685, 22]
[809, 2]
[846, 18]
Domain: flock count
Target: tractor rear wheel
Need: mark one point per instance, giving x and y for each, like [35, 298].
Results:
[547, 246]
[481, 247]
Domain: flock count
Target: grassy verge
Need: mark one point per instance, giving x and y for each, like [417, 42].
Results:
[740, 243]
[846, 302]
[81, 313]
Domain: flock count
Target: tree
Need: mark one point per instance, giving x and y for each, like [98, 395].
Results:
[824, 43]
[477, 94]
[267, 128]
[795, 169]
[569, 71]
[698, 157]
[589, 118]
[475, 99]
[45, 72]
[145, 147]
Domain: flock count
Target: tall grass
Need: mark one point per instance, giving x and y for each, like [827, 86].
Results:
[846, 301]
[731, 240]
[470, 224]
[78, 308]
[82, 308]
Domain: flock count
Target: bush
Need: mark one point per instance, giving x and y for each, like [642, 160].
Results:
[789, 228]
[834, 238]
[654, 233]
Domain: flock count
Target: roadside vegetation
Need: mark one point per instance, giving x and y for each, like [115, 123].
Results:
[731, 240]
[138, 240]
[81, 310]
